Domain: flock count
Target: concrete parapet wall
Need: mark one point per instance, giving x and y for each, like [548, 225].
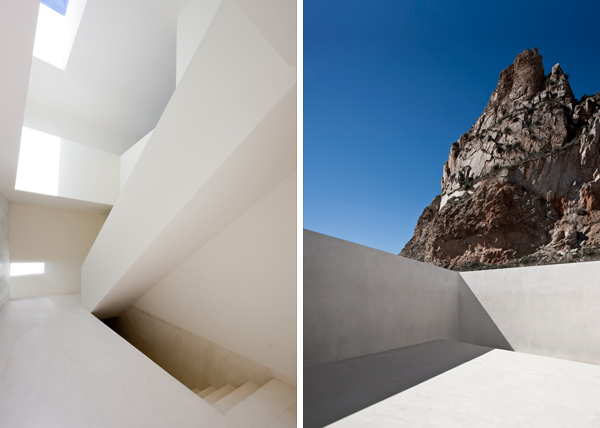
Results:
[359, 300]
[544, 310]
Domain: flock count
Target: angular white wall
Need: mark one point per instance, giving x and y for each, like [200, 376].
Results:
[60, 239]
[239, 290]
[4, 251]
[192, 25]
[129, 159]
[359, 301]
[226, 136]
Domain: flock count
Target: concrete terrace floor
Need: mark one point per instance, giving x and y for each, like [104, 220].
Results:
[61, 367]
[496, 389]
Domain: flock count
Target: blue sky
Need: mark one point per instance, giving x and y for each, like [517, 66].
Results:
[389, 85]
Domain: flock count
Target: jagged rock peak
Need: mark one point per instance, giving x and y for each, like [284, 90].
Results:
[523, 182]
[523, 78]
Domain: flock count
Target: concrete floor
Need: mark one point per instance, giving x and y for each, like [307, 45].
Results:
[335, 390]
[497, 389]
[61, 367]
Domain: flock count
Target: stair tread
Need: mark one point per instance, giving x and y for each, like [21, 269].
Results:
[206, 391]
[196, 390]
[233, 398]
[264, 406]
[287, 419]
[219, 393]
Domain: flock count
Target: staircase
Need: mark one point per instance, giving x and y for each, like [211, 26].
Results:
[273, 405]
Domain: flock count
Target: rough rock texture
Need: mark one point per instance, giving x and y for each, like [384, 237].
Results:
[522, 186]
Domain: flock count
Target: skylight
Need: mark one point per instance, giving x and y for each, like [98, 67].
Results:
[59, 6]
[50, 37]
[39, 159]
[57, 27]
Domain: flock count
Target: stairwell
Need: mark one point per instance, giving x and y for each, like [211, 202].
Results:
[252, 406]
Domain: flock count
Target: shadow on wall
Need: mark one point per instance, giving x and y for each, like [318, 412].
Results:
[475, 324]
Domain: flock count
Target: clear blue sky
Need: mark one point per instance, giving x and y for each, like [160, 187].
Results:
[389, 85]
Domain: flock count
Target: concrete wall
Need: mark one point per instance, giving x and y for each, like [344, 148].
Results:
[191, 359]
[192, 24]
[60, 239]
[359, 301]
[129, 159]
[227, 136]
[56, 122]
[4, 251]
[239, 290]
[545, 310]
[88, 174]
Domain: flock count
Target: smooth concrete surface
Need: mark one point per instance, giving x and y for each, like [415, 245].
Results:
[192, 25]
[497, 389]
[130, 158]
[225, 139]
[359, 301]
[4, 251]
[335, 390]
[545, 310]
[475, 324]
[239, 290]
[193, 360]
[60, 239]
[61, 367]
[17, 34]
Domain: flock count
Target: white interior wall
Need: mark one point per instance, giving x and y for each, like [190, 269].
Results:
[239, 290]
[60, 239]
[192, 24]
[4, 251]
[88, 174]
[228, 131]
[64, 125]
[130, 158]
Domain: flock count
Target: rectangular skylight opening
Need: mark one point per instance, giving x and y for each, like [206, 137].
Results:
[39, 162]
[57, 27]
[31, 268]
[59, 6]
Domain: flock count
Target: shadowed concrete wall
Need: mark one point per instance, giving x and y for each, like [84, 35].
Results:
[358, 301]
[4, 253]
[545, 310]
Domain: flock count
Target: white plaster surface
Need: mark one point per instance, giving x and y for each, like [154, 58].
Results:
[87, 173]
[192, 24]
[4, 251]
[545, 310]
[60, 239]
[239, 290]
[130, 158]
[61, 367]
[359, 301]
[498, 389]
[227, 137]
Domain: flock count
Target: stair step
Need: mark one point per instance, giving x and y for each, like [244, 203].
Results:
[287, 418]
[196, 390]
[219, 393]
[264, 406]
[233, 398]
[207, 391]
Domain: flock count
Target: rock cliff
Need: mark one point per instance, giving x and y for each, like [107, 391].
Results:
[522, 186]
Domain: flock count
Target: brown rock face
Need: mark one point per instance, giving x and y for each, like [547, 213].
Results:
[522, 186]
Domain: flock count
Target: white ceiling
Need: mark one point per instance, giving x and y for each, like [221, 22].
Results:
[121, 72]
[119, 78]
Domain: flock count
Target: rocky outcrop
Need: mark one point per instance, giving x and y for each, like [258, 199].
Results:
[522, 186]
